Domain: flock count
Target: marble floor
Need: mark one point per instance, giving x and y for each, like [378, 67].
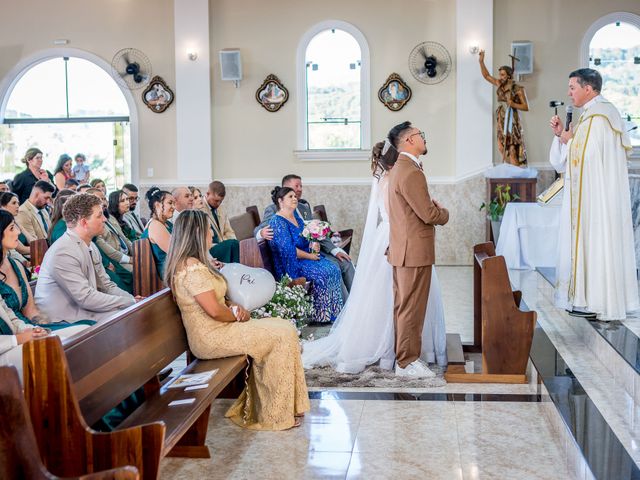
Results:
[378, 439]
[467, 437]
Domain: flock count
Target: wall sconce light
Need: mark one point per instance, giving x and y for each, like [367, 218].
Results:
[474, 48]
[192, 55]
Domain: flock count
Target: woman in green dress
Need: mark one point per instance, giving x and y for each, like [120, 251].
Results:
[159, 228]
[58, 225]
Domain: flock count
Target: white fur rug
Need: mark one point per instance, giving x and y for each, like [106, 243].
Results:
[373, 376]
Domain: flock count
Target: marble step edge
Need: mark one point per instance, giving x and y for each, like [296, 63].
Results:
[612, 401]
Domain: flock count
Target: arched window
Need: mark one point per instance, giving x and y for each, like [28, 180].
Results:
[614, 50]
[333, 86]
[67, 105]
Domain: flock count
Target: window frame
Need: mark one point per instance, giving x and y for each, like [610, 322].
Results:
[15, 74]
[302, 152]
[623, 17]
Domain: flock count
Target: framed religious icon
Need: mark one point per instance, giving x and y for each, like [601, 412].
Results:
[157, 96]
[395, 93]
[272, 94]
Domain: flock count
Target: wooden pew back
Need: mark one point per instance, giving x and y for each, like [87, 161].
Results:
[243, 225]
[320, 213]
[38, 249]
[146, 280]
[114, 358]
[19, 454]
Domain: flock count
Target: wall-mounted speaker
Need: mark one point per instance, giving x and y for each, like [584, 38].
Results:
[524, 52]
[230, 64]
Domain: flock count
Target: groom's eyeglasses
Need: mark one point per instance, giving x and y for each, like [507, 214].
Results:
[421, 133]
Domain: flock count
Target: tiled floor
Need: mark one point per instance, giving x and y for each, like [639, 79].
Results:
[385, 439]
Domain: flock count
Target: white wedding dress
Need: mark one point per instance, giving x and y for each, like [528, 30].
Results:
[363, 333]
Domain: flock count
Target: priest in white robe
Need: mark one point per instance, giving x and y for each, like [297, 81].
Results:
[596, 267]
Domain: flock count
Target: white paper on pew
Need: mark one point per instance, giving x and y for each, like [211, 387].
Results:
[186, 401]
[190, 379]
[196, 387]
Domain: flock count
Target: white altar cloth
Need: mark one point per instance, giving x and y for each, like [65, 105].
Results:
[529, 235]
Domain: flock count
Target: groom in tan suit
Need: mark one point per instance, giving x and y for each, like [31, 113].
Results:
[412, 216]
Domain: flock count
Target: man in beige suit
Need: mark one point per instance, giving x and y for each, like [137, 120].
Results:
[32, 217]
[73, 284]
[412, 216]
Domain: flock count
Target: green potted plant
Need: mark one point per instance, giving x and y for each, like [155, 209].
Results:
[495, 209]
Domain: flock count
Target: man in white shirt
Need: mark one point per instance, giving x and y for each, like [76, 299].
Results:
[184, 201]
[596, 273]
[132, 218]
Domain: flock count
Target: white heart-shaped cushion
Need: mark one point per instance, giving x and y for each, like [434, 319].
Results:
[249, 287]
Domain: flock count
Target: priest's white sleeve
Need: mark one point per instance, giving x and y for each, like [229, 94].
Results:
[558, 155]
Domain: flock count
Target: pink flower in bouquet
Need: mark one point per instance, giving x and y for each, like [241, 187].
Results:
[316, 230]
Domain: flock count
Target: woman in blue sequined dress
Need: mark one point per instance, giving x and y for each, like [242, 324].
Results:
[291, 256]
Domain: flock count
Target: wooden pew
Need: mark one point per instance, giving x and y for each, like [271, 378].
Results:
[146, 280]
[267, 257]
[38, 249]
[243, 226]
[320, 213]
[19, 456]
[69, 389]
[503, 331]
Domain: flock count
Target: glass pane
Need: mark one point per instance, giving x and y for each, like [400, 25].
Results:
[40, 92]
[612, 51]
[95, 140]
[333, 90]
[92, 91]
[333, 135]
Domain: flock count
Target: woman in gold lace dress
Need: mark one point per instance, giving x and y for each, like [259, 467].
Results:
[512, 99]
[276, 392]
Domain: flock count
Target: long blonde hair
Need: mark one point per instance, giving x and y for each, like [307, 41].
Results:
[188, 240]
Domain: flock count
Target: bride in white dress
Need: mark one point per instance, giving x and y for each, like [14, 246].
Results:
[363, 333]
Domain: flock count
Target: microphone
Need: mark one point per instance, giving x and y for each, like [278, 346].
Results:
[569, 118]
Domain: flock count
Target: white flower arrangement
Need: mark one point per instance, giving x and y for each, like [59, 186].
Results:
[291, 303]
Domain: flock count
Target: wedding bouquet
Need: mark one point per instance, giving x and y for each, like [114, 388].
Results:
[35, 273]
[315, 231]
[291, 303]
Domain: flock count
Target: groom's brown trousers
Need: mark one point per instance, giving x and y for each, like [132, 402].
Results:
[411, 292]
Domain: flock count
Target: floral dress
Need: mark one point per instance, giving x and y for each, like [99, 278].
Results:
[326, 288]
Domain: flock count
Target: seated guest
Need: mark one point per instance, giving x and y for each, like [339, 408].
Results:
[184, 201]
[158, 231]
[83, 187]
[225, 246]
[24, 181]
[118, 207]
[33, 217]
[9, 203]
[132, 218]
[4, 187]
[62, 172]
[334, 254]
[198, 200]
[14, 286]
[99, 184]
[276, 392]
[71, 184]
[73, 284]
[117, 265]
[291, 256]
[58, 225]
